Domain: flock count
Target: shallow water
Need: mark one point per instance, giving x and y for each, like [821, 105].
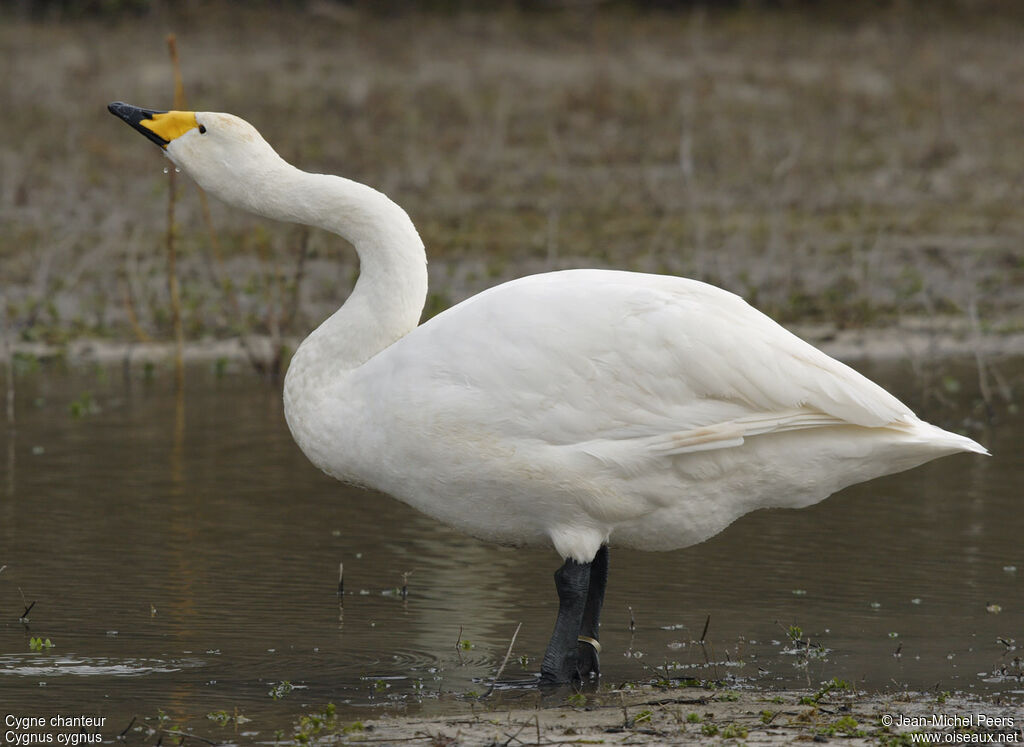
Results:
[187, 562]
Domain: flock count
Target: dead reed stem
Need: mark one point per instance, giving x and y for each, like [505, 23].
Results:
[297, 276]
[9, 373]
[504, 661]
[133, 317]
[172, 196]
[172, 283]
[9, 398]
[217, 268]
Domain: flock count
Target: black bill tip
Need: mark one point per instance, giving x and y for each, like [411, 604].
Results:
[134, 116]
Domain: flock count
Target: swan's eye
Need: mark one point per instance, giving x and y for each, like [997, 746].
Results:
[202, 129]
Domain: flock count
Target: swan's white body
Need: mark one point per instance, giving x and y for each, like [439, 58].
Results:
[572, 408]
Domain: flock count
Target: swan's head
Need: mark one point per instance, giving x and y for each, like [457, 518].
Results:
[223, 153]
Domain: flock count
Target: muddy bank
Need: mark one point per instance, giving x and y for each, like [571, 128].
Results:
[647, 715]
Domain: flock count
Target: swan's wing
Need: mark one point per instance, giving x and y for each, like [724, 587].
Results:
[591, 358]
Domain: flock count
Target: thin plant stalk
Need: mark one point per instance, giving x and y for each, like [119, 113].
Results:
[172, 272]
[9, 374]
[172, 285]
[9, 365]
[133, 317]
[504, 661]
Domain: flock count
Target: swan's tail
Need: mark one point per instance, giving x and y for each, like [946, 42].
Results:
[943, 441]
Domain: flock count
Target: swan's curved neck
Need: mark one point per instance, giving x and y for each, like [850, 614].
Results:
[388, 297]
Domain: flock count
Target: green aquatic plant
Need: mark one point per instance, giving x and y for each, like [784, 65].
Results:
[39, 644]
[312, 726]
[831, 685]
[577, 700]
[83, 405]
[692, 682]
[223, 718]
[281, 689]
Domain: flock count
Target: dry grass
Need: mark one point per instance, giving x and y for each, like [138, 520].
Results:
[848, 171]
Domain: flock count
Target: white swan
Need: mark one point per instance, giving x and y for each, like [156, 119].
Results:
[571, 409]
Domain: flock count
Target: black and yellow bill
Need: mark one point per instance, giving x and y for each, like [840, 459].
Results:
[159, 126]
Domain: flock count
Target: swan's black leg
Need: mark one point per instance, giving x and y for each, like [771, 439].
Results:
[589, 662]
[560, 664]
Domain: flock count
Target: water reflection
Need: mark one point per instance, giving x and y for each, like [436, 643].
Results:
[215, 559]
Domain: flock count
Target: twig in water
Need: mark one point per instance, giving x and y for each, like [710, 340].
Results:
[130, 724]
[503, 663]
[341, 579]
[704, 646]
[458, 646]
[185, 735]
[405, 584]
[24, 615]
[703, 640]
[9, 358]
[979, 360]
[632, 622]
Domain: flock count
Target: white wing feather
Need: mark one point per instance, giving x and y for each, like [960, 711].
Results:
[584, 355]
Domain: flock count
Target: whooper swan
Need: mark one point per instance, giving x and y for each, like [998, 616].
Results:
[570, 409]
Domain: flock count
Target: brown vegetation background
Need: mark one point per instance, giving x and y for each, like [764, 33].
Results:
[854, 167]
